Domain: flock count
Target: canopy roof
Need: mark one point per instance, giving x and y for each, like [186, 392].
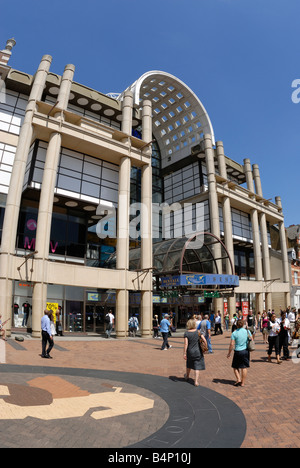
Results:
[200, 253]
[179, 117]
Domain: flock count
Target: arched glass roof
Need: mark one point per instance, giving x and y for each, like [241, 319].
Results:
[179, 117]
[201, 253]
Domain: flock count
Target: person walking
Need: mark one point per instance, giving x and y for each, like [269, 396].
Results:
[251, 323]
[47, 337]
[264, 326]
[164, 329]
[155, 326]
[274, 330]
[205, 330]
[133, 325]
[284, 336]
[109, 322]
[218, 323]
[241, 358]
[192, 351]
[226, 321]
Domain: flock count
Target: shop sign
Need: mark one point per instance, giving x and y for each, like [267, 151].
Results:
[245, 309]
[93, 297]
[53, 306]
[213, 294]
[199, 280]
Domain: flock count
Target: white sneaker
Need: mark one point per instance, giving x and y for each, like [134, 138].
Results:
[170, 346]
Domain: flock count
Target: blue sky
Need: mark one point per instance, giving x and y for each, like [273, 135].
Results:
[239, 56]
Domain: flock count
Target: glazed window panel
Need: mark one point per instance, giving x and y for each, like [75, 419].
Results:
[69, 183]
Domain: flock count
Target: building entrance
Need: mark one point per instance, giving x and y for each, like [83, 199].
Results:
[94, 318]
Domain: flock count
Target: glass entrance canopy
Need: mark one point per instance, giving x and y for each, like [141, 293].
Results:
[200, 253]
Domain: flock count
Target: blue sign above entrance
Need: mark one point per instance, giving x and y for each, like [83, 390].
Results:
[199, 280]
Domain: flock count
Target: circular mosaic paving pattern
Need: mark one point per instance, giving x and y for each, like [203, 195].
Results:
[41, 407]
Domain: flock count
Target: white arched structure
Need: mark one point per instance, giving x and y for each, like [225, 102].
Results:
[179, 118]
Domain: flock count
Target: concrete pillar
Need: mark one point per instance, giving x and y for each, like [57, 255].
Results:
[249, 175]
[285, 261]
[122, 295]
[256, 235]
[213, 199]
[146, 224]
[264, 238]
[256, 245]
[257, 180]
[39, 297]
[255, 224]
[13, 202]
[212, 186]
[227, 221]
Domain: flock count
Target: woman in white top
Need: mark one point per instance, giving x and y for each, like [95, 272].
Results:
[274, 330]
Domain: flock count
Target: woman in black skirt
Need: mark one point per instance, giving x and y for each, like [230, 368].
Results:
[192, 351]
[241, 358]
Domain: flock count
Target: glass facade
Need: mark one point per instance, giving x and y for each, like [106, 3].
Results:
[12, 112]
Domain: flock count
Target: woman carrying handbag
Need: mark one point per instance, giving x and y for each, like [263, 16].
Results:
[241, 358]
[194, 342]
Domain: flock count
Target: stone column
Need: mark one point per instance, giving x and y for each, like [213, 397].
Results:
[256, 235]
[212, 186]
[146, 224]
[264, 238]
[227, 221]
[13, 202]
[285, 261]
[122, 299]
[213, 208]
[43, 232]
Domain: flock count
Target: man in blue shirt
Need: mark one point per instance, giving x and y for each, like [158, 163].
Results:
[164, 329]
[46, 335]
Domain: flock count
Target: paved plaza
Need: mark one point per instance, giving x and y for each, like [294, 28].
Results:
[117, 394]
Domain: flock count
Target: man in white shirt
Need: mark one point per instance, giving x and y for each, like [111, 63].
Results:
[284, 336]
[292, 318]
[218, 324]
[109, 321]
[274, 330]
[46, 335]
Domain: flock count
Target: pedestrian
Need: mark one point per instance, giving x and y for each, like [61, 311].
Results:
[2, 331]
[258, 318]
[226, 321]
[133, 324]
[251, 323]
[218, 324]
[233, 323]
[284, 336]
[205, 330]
[59, 328]
[241, 358]
[109, 322]
[47, 337]
[291, 316]
[264, 326]
[155, 326]
[273, 339]
[164, 329]
[193, 352]
[296, 336]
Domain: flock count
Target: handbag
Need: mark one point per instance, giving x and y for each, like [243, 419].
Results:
[295, 343]
[251, 345]
[203, 345]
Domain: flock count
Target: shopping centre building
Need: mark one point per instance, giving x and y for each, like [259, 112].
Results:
[126, 202]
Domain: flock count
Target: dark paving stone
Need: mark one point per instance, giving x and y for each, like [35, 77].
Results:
[184, 416]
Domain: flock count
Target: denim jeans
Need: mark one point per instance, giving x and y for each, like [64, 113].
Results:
[165, 342]
[209, 344]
